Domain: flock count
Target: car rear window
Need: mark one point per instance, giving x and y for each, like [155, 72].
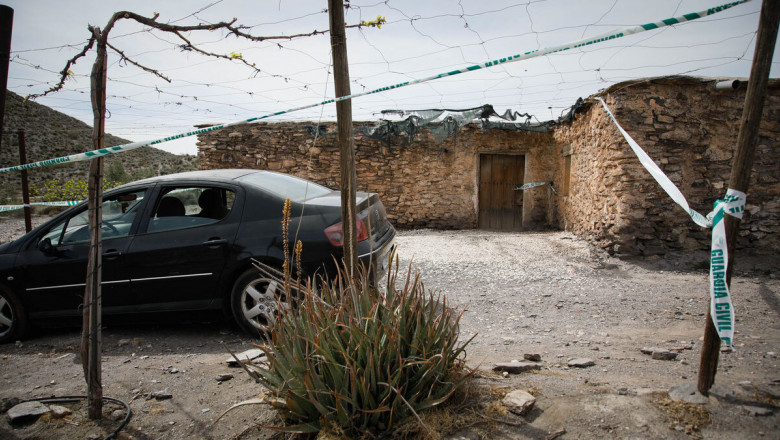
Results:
[285, 186]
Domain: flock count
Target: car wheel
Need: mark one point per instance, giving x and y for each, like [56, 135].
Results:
[255, 301]
[13, 320]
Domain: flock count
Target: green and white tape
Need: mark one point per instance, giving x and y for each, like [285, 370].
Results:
[721, 308]
[529, 185]
[510, 59]
[4, 208]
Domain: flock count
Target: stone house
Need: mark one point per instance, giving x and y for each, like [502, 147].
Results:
[598, 189]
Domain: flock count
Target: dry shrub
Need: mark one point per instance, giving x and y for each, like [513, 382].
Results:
[691, 416]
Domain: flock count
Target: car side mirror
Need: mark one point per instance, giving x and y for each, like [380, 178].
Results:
[45, 246]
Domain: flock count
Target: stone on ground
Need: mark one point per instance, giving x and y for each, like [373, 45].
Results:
[582, 363]
[687, 392]
[516, 367]
[519, 402]
[27, 411]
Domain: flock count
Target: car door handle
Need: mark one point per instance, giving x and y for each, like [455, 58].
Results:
[215, 242]
[113, 253]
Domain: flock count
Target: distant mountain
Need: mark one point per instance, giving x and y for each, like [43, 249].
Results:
[50, 134]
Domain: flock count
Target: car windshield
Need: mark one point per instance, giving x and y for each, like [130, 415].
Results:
[285, 186]
[118, 214]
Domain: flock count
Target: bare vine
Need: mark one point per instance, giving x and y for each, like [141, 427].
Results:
[177, 30]
[125, 58]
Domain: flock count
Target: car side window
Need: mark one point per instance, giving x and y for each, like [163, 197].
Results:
[185, 207]
[119, 211]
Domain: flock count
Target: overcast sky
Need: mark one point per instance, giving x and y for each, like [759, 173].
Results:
[420, 38]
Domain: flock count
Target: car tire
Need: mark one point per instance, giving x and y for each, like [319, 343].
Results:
[254, 301]
[13, 318]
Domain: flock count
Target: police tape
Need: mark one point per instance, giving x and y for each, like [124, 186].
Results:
[4, 208]
[530, 185]
[510, 59]
[721, 308]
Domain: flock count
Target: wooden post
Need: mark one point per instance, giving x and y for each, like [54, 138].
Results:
[6, 28]
[742, 166]
[91, 336]
[25, 187]
[338, 42]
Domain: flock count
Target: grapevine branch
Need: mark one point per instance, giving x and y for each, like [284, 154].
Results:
[237, 30]
[233, 56]
[126, 58]
[66, 71]
[374, 23]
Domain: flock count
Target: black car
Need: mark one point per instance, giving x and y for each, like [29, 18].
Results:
[184, 242]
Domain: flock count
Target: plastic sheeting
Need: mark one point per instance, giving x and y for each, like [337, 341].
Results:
[444, 123]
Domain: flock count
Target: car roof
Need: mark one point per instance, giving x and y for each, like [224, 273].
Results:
[210, 175]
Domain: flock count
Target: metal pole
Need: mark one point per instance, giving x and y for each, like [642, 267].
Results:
[6, 29]
[742, 166]
[25, 187]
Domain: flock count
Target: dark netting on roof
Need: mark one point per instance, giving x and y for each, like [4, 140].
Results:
[388, 130]
[541, 127]
[317, 130]
[443, 123]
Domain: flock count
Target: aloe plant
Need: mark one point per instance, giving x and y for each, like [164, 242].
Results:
[361, 358]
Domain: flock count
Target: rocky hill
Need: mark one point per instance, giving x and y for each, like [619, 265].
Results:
[50, 134]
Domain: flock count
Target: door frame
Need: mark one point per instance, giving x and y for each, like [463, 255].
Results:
[479, 198]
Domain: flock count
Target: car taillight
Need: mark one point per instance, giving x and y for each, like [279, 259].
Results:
[335, 233]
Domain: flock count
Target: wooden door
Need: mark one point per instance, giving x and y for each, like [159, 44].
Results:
[500, 207]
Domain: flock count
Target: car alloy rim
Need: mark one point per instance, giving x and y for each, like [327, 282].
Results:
[6, 316]
[259, 301]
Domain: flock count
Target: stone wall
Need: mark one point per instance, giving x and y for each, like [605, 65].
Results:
[690, 130]
[590, 207]
[684, 124]
[422, 183]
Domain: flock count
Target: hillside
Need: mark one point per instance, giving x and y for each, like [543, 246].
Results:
[49, 134]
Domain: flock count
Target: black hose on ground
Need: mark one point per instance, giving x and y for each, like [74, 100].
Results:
[65, 399]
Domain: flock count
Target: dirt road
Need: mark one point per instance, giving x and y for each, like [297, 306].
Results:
[547, 294]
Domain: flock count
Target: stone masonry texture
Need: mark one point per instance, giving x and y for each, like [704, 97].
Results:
[683, 123]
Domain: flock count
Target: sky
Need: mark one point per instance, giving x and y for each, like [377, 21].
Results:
[418, 39]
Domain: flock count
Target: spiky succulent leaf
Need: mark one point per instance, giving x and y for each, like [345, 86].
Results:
[353, 355]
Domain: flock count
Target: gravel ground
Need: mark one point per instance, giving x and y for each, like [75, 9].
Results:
[12, 225]
[555, 295]
[549, 294]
